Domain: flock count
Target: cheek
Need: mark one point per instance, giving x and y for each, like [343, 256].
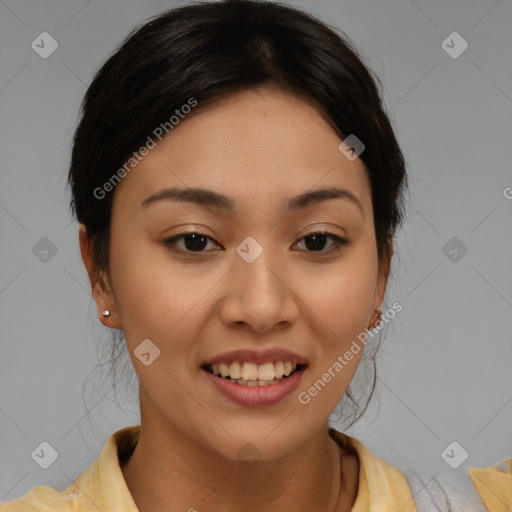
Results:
[150, 296]
[163, 301]
[341, 298]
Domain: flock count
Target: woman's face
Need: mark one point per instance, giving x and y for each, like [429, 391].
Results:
[255, 284]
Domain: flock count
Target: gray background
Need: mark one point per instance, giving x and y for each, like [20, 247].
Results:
[444, 367]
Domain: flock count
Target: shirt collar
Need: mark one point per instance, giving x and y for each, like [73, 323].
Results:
[103, 482]
[381, 486]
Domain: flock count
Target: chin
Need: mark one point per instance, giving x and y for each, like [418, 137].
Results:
[258, 442]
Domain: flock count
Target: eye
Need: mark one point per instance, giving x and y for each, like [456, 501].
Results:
[195, 242]
[318, 239]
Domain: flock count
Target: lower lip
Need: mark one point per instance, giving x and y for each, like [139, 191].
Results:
[254, 396]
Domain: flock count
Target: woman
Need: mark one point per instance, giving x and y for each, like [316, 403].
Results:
[238, 187]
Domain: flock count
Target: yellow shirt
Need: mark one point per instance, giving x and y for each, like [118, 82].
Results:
[382, 487]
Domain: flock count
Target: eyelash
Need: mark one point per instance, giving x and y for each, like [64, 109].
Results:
[338, 241]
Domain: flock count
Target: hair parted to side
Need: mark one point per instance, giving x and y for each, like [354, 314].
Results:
[207, 51]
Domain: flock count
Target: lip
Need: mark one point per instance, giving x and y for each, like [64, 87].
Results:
[256, 396]
[255, 356]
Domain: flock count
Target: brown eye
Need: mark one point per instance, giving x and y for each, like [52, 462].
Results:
[193, 241]
[316, 240]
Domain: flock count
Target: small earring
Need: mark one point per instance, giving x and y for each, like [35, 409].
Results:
[106, 312]
[379, 312]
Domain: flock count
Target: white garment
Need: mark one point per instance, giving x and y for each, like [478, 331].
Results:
[445, 492]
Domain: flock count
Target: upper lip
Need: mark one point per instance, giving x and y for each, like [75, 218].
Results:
[256, 356]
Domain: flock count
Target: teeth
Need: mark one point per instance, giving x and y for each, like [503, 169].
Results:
[252, 374]
[235, 370]
[250, 371]
[278, 369]
[266, 371]
[224, 369]
[257, 382]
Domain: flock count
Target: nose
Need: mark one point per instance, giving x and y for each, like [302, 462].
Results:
[260, 296]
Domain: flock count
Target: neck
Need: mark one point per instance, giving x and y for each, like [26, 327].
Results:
[170, 469]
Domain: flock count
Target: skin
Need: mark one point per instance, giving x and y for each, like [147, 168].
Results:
[258, 147]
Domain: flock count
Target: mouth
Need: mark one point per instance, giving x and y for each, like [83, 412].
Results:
[252, 374]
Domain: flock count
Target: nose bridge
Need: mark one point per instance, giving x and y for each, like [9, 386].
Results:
[258, 267]
[259, 294]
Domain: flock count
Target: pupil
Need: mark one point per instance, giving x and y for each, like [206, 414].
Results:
[316, 239]
[198, 241]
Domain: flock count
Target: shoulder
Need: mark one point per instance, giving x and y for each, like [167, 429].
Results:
[99, 487]
[494, 484]
[486, 489]
[41, 499]
[475, 490]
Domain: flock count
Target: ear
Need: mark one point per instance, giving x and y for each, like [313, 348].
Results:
[100, 285]
[382, 281]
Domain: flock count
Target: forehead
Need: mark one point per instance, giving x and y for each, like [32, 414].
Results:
[261, 143]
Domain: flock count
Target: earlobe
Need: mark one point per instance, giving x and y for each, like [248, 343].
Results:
[383, 275]
[99, 283]
[376, 312]
[107, 313]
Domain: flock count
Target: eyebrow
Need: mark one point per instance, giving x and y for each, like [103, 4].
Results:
[208, 198]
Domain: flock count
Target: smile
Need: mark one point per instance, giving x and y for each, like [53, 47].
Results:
[255, 392]
[252, 374]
